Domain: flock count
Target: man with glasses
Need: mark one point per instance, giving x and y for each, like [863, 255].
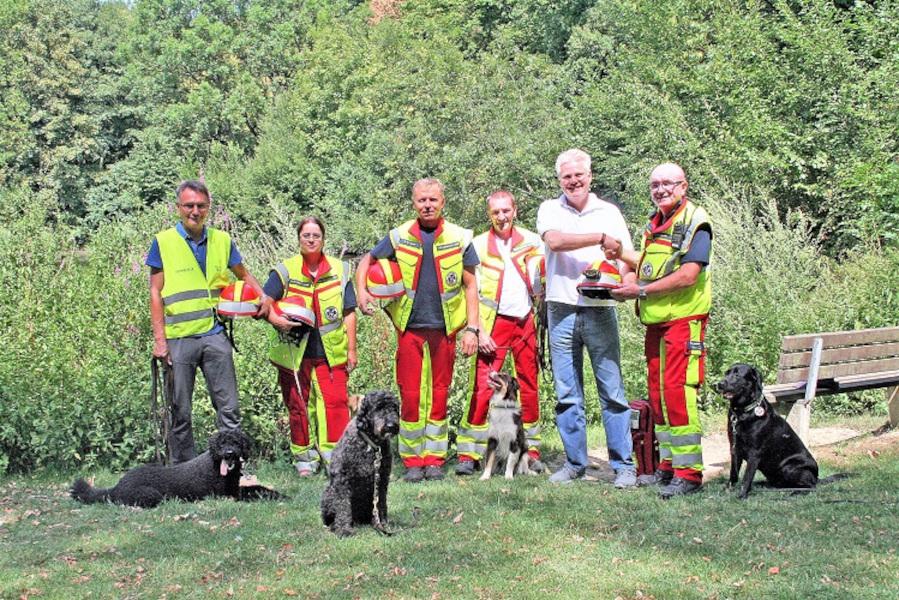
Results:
[189, 265]
[576, 227]
[673, 288]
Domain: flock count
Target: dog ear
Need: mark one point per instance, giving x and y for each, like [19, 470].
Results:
[755, 380]
[513, 387]
[366, 404]
[246, 443]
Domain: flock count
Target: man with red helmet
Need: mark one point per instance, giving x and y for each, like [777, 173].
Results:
[189, 265]
[440, 298]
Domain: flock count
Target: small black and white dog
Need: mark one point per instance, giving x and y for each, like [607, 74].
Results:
[216, 472]
[506, 441]
[360, 467]
[761, 437]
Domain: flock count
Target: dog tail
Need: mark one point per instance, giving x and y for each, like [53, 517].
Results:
[83, 492]
[834, 477]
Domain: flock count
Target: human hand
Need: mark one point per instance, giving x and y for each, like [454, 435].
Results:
[486, 344]
[469, 343]
[281, 323]
[366, 302]
[351, 360]
[161, 351]
[612, 248]
[626, 291]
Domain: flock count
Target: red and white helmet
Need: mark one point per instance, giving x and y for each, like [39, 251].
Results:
[293, 308]
[238, 301]
[601, 277]
[384, 279]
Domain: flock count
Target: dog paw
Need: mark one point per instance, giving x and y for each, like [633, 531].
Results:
[484, 477]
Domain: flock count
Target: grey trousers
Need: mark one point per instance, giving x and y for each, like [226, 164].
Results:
[212, 353]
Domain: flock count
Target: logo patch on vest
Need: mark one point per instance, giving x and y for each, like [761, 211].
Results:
[449, 246]
[646, 271]
[452, 278]
[331, 313]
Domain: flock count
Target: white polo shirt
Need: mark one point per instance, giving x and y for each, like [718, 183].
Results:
[564, 270]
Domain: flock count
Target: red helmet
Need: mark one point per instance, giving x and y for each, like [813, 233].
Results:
[601, 277]
[293, 308]
[384, 279]
[238, 300]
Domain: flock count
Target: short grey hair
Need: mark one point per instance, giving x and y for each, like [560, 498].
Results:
[429, 182]
[195, 185]
[575, 155]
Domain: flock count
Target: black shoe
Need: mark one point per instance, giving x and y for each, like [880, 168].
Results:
[466, 467]
[661, 478]
[536, 466]
[679, 487]
[414, 475]
[434, 473]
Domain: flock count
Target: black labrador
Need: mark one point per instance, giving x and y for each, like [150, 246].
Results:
[761, 437]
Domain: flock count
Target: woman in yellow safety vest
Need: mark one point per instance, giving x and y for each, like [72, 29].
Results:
[314, 355]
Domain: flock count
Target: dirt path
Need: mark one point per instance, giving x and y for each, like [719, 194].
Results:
[833, 444]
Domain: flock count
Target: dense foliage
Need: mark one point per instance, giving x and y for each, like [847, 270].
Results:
[784, 114]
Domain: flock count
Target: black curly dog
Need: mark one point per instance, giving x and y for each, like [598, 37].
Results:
[360, 464]
[216, 472]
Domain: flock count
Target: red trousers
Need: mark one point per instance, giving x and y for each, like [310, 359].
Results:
[519, 336]
[675, 360]
[329, 412]
[424, 370]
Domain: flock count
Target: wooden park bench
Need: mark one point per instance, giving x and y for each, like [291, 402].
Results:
[818, 364]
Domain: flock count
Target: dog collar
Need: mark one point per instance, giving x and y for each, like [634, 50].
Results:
[504, 404]
[368, 440]
[755, 408]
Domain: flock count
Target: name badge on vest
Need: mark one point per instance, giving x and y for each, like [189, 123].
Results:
[449, 246]
[411, 243]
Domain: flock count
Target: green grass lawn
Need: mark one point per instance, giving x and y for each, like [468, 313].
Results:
[463, 539]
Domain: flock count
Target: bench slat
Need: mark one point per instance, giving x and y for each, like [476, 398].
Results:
[792, 343]
[840, 370]
[838, 355]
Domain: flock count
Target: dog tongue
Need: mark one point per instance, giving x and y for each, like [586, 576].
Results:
[223, 468]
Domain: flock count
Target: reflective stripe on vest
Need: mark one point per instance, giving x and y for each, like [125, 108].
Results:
[450, 242]
[189, 297]
[661, 256]
[492, 267]
[325, 295]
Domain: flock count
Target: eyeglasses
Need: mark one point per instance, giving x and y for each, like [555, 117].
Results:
[664, 185]
[311, 236]
[194, 206]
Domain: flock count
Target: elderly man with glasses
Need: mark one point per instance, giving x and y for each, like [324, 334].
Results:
[673, 288]
[576, 227]
[189, 265]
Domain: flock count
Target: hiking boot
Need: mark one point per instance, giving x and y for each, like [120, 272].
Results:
[625, 478]
[414, 475]
[564, 476]
[434, 473]
[660, 477]
[536, 466]
[466, 467]
[679, 487]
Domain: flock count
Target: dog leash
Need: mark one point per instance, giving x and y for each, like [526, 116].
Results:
[161, 415]
[375, 515]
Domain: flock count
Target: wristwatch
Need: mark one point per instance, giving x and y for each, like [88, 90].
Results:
[642, 293]
[473, 330]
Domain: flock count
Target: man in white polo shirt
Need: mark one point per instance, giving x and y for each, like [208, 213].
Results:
[576, 227]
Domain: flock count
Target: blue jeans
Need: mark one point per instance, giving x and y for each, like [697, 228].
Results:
[571, 329]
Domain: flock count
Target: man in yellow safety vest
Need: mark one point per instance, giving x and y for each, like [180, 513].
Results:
[440, 298]
[189, 265]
